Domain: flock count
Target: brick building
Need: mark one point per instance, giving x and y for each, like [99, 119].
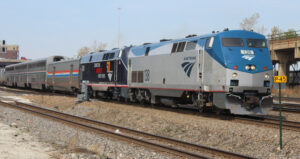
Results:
[9, 51]
[9, 54]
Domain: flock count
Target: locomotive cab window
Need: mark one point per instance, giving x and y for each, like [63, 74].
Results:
[180, 47]
[210, 42]
[147, 51]
[111, 55]
[174, 48]
[191, 45]
[108, 56]
[232, 42]
[256, 43]
[58, 59]
[105, 57]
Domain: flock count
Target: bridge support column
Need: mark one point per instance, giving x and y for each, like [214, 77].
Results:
[283, 68]
[297, 53]
[285, 51]
[284, 63]
[274, 55]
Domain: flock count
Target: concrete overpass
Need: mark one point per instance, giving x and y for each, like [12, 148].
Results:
[285, 50]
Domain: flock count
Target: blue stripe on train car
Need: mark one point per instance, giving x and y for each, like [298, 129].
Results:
[75, 75]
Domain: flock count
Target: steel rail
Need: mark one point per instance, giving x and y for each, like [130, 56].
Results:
[289, 99]
[155, 142]
[287, 109]
[288, 125]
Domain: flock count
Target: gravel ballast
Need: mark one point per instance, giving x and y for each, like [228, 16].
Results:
[72, 142]
[248, 139]
[15, 143]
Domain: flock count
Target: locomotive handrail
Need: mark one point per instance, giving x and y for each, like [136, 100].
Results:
[233, 95]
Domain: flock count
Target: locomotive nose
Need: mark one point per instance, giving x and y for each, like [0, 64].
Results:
[250, 102]
[239, 81]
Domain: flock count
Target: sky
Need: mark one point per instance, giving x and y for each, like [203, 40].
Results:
[44, 28]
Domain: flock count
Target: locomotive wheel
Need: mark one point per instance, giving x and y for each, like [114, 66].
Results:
[51, 89]
[126, 100]
[201, 109]
[132, 96]
[138, 96]
[120, 99]
[74, 92]
[199, 102]
[147, 97]
[219, 111]
[90, 92]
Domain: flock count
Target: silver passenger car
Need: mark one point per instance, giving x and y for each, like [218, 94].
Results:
[30, 74]
[2, 76]
[63, 75]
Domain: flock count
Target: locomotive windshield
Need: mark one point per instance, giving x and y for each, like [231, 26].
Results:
[256, 43]
[232, 42]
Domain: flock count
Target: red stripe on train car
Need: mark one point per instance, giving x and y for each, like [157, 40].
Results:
[66, 71]
[219, 91]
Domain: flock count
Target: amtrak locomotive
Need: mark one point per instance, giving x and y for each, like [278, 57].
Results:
[230, 70]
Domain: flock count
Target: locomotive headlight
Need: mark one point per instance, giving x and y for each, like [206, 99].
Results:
[234, 74]
[267, 76]
[247, 67]
[253, 67]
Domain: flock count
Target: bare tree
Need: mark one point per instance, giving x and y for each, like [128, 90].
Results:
[82, 51]
[276, 32]
[261, 30]
[249, 23]
[96, 47]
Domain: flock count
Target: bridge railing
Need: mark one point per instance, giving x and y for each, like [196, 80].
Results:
[284, 35]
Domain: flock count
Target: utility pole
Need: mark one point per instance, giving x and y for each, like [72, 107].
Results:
[119, 9]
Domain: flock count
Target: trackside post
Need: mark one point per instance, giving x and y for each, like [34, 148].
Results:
[279, 80]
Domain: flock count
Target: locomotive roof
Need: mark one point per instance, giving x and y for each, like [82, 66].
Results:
[34, 61]
[140, 50]
[100, 56]
[230, 33]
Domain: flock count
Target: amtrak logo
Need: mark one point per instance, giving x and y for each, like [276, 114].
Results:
[248, 57]
[247, 54]
[187, 67]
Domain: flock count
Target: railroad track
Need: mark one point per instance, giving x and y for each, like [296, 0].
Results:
[33, 91]
[155, 142]
[287, 107]
[288, 99]
[271, 122]
[256, 120]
